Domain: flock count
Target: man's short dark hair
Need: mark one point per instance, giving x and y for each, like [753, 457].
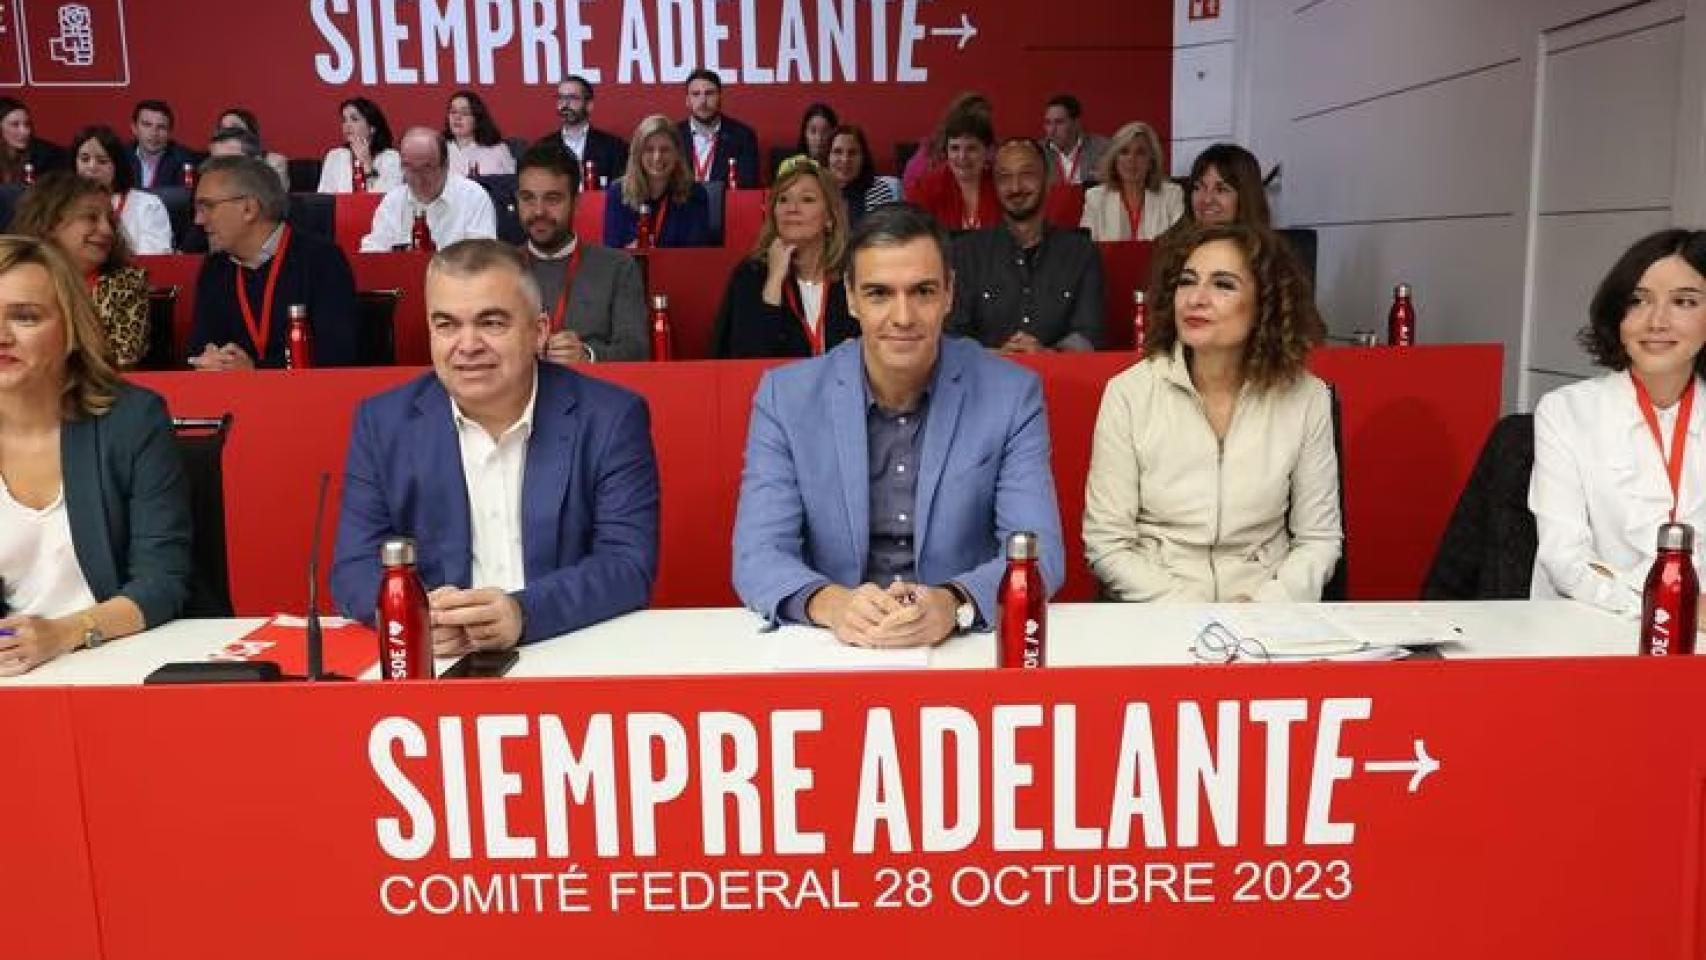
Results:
[969, 124]
[1602, 338]
[1067, 102]
[549, 154]
[158, 106]
[246, 141]
[893, 224]
[704, 74]
[586, 85]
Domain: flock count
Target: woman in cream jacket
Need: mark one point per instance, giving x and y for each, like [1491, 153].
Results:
[1213, 475]
[1601, 484]
[1135, 200]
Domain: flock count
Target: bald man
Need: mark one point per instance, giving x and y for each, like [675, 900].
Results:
[456, 207]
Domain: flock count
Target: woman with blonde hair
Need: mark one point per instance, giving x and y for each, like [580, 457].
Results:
[94, 505]
[1134, 199]
[786, 298]
[1213, 475]
[657, 189]
[76, 213]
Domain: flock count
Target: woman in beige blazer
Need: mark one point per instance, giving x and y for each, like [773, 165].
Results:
[1212, 475]
[1135, 200]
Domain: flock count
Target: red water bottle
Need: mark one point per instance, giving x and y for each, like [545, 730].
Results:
[357, 175]
[1401, 319]
[405, 626]
[1139, 319]
[420, 235]
[189, 176]
[29, 174]
[1669, 604]
[660, 326]
[643, 238]
[734, 179]
[298, 342]
[589, 177]
[1021, 630]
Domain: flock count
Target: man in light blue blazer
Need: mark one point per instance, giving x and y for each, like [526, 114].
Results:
[531, 491]
[883, 478]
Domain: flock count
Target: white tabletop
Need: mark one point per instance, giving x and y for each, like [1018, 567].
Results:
[729, 640]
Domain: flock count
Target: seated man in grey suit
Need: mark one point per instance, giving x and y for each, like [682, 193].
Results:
[883, 478]
[594, 297]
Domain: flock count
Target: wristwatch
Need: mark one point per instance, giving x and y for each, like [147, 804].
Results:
[965, 612]
[92, 635]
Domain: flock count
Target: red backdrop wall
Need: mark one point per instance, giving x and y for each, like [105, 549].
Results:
[292, 62]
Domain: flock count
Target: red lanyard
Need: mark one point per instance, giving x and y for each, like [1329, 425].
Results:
[118, 204]
[969, 216]
[260, 333]
[93, 279]
[702, 170]
[814, 335]
[1134, 214]
[1678, 433]
[569, 272]
[658, 220]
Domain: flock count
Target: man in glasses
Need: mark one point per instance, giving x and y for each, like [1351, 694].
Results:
[605, 152]
[1025, 285]
[257, 268]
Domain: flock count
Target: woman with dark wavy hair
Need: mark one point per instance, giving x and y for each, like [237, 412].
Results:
[1213, 475]
[367, 146]
[1618, 455]
[475, 144]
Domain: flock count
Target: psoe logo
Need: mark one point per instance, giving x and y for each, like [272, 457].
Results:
[74, 45]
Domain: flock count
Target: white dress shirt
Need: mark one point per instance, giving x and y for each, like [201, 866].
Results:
[1600, 490]
[575, 139]
[337, 172]
[704, 147]
[491, 160]
[463, 209]
[494, 470]
[145, 223]
[37, 561]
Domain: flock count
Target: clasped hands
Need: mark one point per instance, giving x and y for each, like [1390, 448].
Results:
[227, 357]
[904, 615]
[467, 620]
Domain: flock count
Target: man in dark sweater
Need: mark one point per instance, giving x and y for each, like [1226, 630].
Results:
[1024, 286]
[257, 268]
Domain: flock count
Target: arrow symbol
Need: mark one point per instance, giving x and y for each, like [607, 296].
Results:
[965, 31]
[1419, 767]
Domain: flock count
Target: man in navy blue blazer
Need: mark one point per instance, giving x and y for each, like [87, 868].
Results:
[712, 138]
[883, 478]
[156, 160]
[531, 490]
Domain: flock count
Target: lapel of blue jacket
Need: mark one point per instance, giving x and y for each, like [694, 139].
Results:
[80, 458]
[546, 478]
[444, 488]
[947, 395]
[847, 404]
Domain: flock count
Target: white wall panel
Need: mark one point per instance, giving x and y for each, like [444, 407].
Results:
[1572, 254]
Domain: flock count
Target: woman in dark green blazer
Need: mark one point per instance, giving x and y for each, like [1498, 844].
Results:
[94, 507]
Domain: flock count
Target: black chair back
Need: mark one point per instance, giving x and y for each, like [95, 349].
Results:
[1304, 244]
[10, 195]
[304, 174]
[314, 213]
[202, 445]
[1487, 551]
[378, 312]
[1337, 587]
[162, 347]
[903, 151]
[501, 188]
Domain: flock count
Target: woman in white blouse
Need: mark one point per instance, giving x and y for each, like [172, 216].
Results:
[1606, 450]
[475, 144]
[141, 215]
[367, 144]
[1134, 200]
[1212, 472]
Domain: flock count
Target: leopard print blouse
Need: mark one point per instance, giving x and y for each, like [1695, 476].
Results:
[121, 299]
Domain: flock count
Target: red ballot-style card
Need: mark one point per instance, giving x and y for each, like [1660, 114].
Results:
[350, 649]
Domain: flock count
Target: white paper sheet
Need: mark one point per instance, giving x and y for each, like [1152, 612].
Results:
[795, 649]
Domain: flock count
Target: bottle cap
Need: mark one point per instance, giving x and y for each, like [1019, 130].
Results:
[660, 301]
[297, 311]
[1137, 296]
[1401, 290]
[397, 552]
[1676, 536]
[1022, 545]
